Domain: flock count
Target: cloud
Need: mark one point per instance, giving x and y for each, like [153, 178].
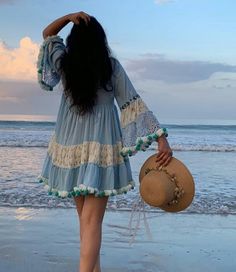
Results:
[18, 97]
[157, 67]
[19, 63]
[193, 100]
[223, 80]
[198, 99]
[177, 101]
[161, 2]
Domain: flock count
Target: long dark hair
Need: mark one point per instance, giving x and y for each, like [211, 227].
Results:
[86, 65]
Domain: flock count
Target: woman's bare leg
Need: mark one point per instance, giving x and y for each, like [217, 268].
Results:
[79, 201]
[91, 222]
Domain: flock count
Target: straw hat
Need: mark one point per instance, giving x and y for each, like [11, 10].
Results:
[170, 188]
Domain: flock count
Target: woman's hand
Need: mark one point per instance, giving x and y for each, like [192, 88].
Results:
[164, 153]
[75, 17]
[54, 27]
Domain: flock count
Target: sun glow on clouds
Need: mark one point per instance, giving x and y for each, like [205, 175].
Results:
[19, 63]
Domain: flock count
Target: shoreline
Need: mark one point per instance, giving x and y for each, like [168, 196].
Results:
[110, 209]
[42, 239]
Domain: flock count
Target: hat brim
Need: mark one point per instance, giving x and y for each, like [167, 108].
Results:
[184, 179]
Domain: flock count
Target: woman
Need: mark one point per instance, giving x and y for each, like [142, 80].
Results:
[87, 157]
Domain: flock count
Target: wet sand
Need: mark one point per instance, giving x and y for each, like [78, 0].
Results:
[48, 240]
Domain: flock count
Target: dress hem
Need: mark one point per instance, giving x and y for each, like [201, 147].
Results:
[83, 190]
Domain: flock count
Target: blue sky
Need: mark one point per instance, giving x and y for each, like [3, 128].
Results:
[179, 54]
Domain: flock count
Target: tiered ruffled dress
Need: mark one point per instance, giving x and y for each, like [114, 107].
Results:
[90, 154]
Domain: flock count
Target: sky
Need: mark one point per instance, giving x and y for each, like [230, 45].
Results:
[179, 54]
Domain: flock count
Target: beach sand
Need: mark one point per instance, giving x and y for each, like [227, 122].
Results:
[47, 240]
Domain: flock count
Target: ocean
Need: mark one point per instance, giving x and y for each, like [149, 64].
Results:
[208, 150]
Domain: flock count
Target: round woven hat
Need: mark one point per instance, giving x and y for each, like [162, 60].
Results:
[170, 187]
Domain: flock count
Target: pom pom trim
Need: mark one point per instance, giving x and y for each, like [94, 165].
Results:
[82, 189]
[142, 143]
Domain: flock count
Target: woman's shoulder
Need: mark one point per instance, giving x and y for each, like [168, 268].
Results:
[116, 66]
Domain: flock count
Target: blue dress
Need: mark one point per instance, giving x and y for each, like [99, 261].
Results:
[90, 154]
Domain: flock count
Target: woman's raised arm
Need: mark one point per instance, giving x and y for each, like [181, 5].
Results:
[54, 27]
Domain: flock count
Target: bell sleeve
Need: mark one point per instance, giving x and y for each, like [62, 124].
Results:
[48, 63]
[139, 125]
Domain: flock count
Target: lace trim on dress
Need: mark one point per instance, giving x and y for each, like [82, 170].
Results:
[139, 125]
[87, 152]
[128, 102]
[132, 110]
[145, 124]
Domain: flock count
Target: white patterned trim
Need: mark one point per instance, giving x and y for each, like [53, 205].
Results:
[87, 152]
[142, 143]
[82, 189]
[130, 113]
